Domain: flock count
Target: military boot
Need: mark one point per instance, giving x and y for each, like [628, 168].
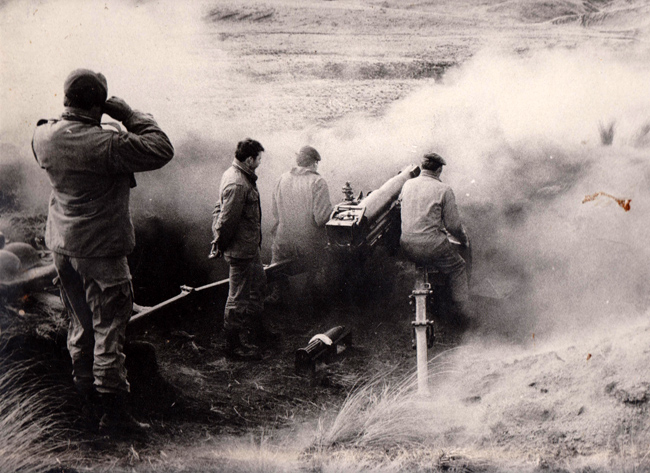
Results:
[91, 409]
[117, 420]
[261, 335]
[235, 349]
[274, 298]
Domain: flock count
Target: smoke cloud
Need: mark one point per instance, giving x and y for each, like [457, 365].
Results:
[520, 134]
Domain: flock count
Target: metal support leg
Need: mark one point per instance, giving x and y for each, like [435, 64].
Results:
[420, 293]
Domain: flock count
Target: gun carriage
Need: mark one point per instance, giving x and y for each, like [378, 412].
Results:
[359, 224]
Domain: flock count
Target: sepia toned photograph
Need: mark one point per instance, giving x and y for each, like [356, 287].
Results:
[324, 236]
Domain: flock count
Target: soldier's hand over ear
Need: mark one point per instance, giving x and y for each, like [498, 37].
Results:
[117, 109]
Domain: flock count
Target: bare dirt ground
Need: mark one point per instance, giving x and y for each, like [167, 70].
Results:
[514, 392]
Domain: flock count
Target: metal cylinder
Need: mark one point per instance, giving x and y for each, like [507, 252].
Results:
[317, 347]
[387, 193]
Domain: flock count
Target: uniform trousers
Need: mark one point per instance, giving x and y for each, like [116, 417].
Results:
[446, 260]
[99, 297]
[247, 286]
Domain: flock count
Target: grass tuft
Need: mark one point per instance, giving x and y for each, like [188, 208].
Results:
[31, 436]
[257, 454]
[381, 414]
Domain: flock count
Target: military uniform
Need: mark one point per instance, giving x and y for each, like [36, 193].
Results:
[301, 207]
[429, 211]
[90, 232]
[237, 228]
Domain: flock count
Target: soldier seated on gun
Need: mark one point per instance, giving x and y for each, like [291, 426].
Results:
[428, 212]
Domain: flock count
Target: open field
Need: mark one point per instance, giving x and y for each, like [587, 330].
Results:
[535, 105]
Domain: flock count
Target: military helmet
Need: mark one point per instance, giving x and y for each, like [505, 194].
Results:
[9, 265]
[26, 253]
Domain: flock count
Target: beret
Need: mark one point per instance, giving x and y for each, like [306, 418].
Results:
[307, 156]
[86, 86]
[433, 158]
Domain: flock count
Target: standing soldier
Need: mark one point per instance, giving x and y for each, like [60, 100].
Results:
[237, 229]
[90, 232]
[301, 208]
[428, 212]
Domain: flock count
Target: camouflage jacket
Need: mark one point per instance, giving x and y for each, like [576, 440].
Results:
[237, 216]
[91, 173]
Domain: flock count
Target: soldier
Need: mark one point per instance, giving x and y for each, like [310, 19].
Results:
[428, 212]
[90, 232]
[237, 229]
[301, 207]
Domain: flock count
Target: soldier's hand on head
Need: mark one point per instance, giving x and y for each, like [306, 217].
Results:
[118, 109]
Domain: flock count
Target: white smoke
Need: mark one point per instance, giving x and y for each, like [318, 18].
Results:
[520, 134]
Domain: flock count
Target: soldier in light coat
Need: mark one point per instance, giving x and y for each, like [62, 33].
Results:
[428, 213]
[301, 207]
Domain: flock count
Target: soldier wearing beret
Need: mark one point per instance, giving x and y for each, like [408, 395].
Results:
[429, 212]
[301, 207]
[90, 232]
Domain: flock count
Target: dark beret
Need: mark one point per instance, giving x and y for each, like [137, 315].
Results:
[307, 156]
[431, 158]
[86, 88]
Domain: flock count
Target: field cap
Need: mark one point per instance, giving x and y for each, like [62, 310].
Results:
[433, 158]
[307, 156]
[86, 87]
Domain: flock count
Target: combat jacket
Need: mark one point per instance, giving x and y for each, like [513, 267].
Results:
[237, 216]
[301, 207]
[91, 173]
[429, 211]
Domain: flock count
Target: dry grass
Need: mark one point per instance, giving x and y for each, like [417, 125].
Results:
[386, 425]
[258, 454]
[385, 414]
[31, 438]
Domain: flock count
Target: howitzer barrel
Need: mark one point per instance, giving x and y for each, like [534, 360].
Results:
[379, 199]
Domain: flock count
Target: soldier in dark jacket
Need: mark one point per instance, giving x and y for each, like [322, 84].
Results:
[90, 232]
[237, 229]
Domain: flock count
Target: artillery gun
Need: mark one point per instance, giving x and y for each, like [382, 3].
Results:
[357, 225]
